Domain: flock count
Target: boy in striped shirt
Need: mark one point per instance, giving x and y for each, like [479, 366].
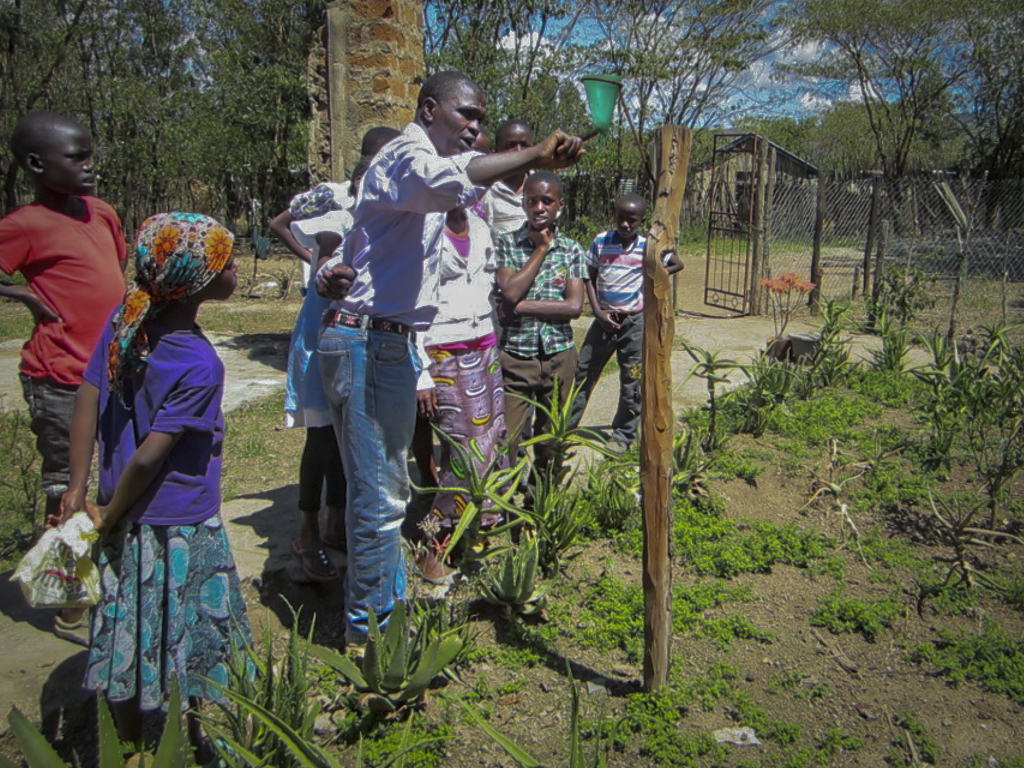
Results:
[614, 287]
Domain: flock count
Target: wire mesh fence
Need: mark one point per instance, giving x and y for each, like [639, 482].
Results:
[936, 227]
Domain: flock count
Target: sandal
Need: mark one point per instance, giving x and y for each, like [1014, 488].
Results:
[75, 632]
[307, 558]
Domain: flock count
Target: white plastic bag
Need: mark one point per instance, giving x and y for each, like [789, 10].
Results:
[58, 571]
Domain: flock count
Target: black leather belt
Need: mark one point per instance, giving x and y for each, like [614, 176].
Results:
[620, 317]
[347, 319]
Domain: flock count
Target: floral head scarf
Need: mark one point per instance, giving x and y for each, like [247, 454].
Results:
[176, 256]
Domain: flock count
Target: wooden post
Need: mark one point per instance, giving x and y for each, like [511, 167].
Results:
[671, 162]
[759, 161]
[869, 246]
[876, 278]
[819, 225]
[767, 206]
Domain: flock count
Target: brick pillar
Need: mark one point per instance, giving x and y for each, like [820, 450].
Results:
[373, 68]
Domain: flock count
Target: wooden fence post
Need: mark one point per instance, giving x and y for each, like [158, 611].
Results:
[760, 162]
[671, 161]
[819, 226]
[869, 246]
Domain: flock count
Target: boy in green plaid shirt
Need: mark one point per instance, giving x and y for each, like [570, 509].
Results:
[540, 278]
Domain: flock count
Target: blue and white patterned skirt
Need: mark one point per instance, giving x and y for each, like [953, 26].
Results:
[172, 605]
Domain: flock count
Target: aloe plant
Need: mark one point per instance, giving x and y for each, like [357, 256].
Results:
[513, 585]
[562, 437]
[395, 670]
[710, 366]
[482, 487]
[172, 751]
[557, 515]
[282, 686]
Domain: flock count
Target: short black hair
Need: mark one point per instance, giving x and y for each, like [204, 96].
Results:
[553, 180]
[375, 138]
[632, 200]
[514, 122]
[443, 85]
[34, 129]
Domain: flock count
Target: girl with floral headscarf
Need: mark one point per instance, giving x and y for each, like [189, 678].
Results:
[171, 607]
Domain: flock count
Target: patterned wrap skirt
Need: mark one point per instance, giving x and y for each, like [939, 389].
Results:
[471, 410]
[171, 605]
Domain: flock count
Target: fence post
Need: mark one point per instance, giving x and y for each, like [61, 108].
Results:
[876, 281]
[869, 246]
[671, 161]
[757, 218]
[767, 207]
[819, 226]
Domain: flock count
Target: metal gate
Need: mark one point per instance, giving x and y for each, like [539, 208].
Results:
[731, 221]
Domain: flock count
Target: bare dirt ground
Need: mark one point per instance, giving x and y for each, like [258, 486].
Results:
[41, 674]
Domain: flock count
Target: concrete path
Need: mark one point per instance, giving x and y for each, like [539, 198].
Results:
[40, 673]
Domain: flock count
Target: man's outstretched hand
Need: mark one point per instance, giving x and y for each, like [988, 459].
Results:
[559, 150]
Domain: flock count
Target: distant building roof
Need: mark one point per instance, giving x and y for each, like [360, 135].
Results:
[785, 161]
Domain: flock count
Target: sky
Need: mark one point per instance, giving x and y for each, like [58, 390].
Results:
[764, 89]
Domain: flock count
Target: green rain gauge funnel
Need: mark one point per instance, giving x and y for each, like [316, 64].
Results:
[602, 93]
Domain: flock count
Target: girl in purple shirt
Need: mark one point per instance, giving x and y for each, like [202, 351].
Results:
[171, 604]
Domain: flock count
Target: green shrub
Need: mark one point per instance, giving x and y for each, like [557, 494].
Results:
[994, 659]
[851, 614]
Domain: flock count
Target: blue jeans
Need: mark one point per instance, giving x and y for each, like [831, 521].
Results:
[370, 380]
[627, 345]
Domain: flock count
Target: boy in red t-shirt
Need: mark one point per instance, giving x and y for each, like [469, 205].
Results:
[70, 249]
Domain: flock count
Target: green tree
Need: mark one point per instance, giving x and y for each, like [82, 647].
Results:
[903, 59]
[993, 100]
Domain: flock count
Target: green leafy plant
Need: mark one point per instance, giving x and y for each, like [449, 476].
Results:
[901, 293]
[892, 356]
[710, 366]
[305, 752]
[770, 382]
[993, 658]
[557, 515]
[852, 614]
[916, 746]
[282, 686]
[562, 438]
[612, 494]
[513, 584]
[489, 488]
[20, 495]
[689, 464]
[172, 751]
[395, 670]
[829, 364]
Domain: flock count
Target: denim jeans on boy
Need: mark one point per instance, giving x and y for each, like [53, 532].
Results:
[50, 406]
[627, 344]
[370, 380]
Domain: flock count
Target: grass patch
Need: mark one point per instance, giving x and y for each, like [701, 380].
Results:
[867, 618]
[259, 454]
[21, 499]
[611, 616]
[993, 659]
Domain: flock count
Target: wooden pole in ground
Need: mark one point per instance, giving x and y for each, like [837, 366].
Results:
[671, 161]
[819, 226]
[869, 246]
[760, 162]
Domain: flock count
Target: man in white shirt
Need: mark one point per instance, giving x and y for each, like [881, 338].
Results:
[368, 364]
